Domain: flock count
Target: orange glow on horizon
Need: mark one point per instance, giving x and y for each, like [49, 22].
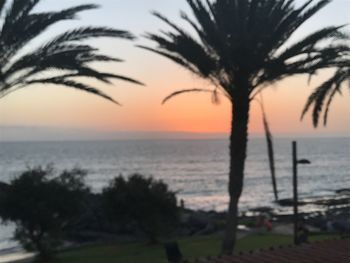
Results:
[52, 106]
[142, 110]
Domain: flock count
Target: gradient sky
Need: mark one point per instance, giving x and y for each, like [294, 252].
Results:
[50, 106]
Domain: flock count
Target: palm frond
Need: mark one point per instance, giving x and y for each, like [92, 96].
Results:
[177, 93]
[186, 49]
[215, 98]
[289, 19]
[28, 26]
[84, 58]
[101, 76]
[309, 42]
[84, 33]
[174, 58]
[64, 54]
[120, 77]
[19, 9]
[325, 92]
[73, 84]
[307, 62]
[270, 147]
[327, 106]
[2, 4]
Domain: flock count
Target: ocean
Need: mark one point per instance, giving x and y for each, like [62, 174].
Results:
[196, 169]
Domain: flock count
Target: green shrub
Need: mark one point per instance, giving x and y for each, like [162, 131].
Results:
[42, 206]
[144, 202]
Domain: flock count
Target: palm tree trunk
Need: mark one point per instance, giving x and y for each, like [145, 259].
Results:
[238, 152]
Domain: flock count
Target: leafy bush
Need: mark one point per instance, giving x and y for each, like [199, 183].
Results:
[146, 202]
[42, 206]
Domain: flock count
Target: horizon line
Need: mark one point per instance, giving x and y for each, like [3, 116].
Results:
[20, 133]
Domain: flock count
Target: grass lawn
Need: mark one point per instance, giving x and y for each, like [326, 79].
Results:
[190, 247]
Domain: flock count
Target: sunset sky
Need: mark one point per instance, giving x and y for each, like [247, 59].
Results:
[62, 108]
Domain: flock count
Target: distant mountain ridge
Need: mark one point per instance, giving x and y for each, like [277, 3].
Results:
[42, 133]
[37, 133]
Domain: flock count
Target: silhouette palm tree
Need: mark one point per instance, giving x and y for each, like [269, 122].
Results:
[240, 48]
[321, 99]
[60, 61]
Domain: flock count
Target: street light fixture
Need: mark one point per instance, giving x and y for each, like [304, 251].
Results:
[304, 161]
[295, 188]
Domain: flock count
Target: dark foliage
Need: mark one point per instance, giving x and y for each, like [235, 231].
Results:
[61, 61]
[321, 99]
[144, 201]
[42, 206]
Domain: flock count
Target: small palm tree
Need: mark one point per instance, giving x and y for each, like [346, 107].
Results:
[240, 48]
[321, 99]
[60, 61]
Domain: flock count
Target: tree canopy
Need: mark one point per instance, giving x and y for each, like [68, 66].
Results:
[42, 206]
[249, 37]
[62, 61]
[144, 201]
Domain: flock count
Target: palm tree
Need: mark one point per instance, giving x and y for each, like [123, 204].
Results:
[240, 48]
[321, 99]
[61, 60]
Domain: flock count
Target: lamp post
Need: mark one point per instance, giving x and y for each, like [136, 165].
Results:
[295, 188]
[173, 252]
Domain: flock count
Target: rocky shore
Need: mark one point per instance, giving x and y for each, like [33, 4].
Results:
[328, 213]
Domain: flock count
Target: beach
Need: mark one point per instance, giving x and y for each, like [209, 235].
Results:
[18, 257]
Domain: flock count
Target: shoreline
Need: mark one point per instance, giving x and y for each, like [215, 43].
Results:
[17, 257]
[201, 222]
